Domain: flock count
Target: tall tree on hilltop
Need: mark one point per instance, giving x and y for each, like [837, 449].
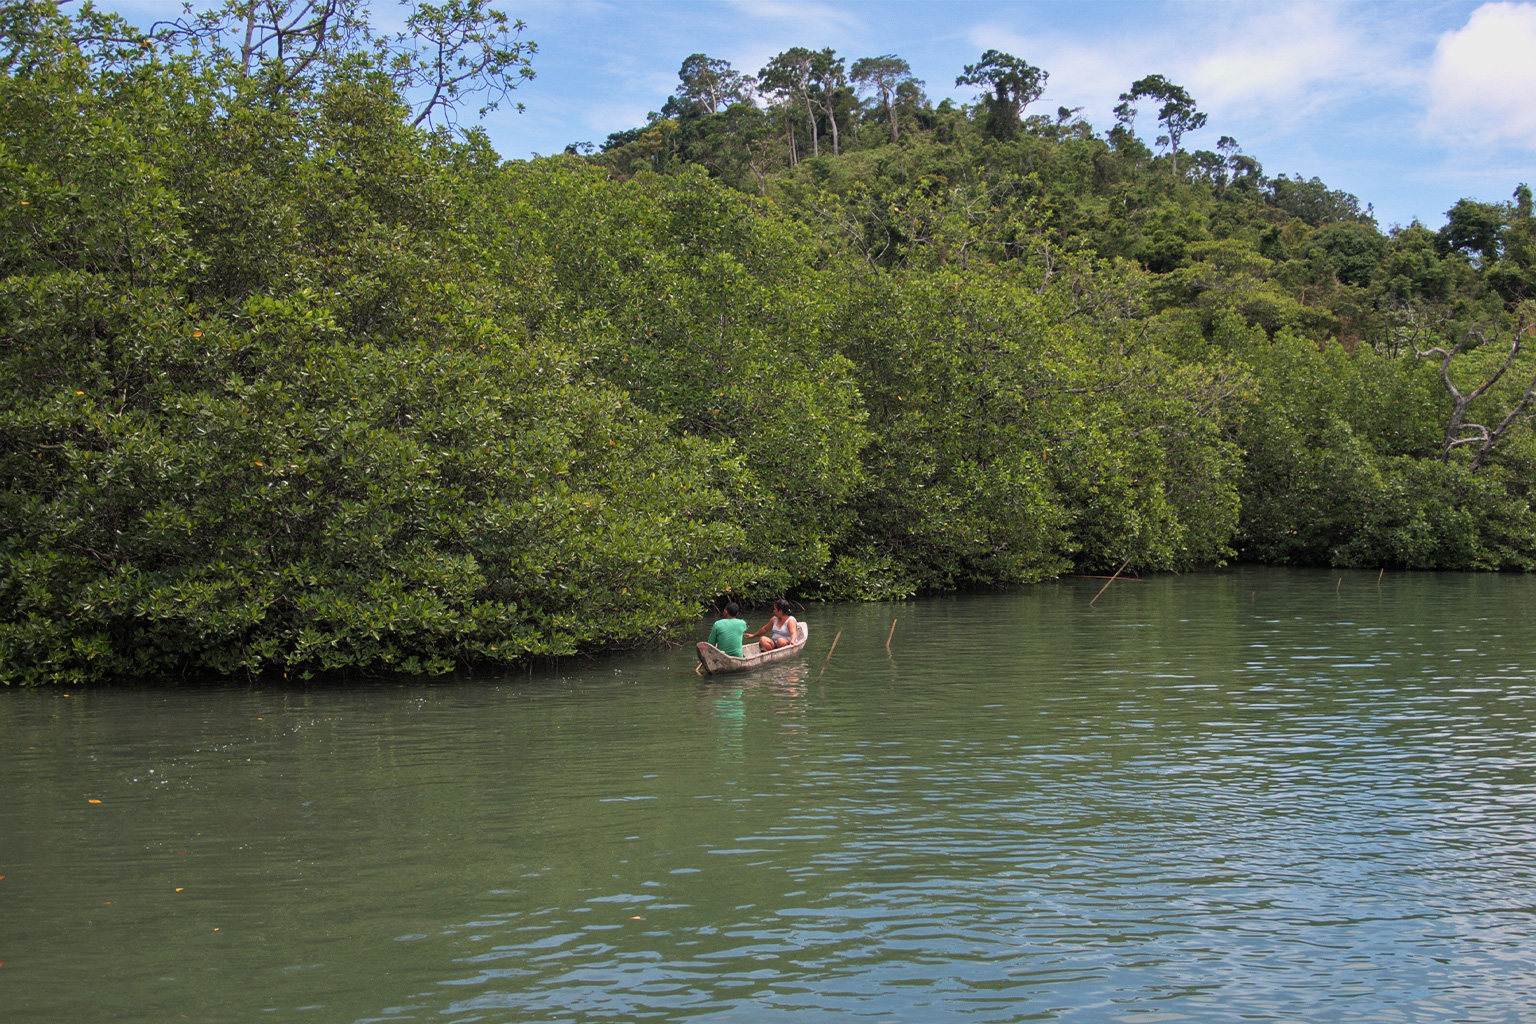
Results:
[710, 84]
[885, 75]
[1474, 228]
[814, 79]
[1177, 115]
[1015, 84]
[1225, 166]
[831, 81]
[787, 78]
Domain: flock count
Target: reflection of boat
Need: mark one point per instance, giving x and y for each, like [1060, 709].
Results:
[715, 661]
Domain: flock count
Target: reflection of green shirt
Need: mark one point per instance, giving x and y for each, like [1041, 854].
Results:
[726, 635]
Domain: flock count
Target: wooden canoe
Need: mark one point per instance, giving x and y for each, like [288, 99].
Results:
[715, 661]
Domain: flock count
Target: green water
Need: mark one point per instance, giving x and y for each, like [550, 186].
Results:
[1252, 795]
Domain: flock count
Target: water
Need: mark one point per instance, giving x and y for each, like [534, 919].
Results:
[1253, 795]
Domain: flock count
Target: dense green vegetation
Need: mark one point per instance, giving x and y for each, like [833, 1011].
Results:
[294, 381]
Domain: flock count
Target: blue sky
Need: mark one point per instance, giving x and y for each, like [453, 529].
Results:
[1409, 105]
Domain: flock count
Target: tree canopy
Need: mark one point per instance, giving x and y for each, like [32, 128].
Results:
[296, 379]
[1014, 85]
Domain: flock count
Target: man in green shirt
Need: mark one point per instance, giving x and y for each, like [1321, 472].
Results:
[726, 634]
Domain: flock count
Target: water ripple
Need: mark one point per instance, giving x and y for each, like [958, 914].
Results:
[1251, 796]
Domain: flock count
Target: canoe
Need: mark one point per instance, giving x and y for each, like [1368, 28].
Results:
[714, 661]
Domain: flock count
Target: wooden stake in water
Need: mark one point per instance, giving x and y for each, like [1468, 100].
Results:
[1111, 579]
[890, 634]
[829, 655]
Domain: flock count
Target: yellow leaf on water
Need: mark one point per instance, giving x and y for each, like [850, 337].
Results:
[93, 801]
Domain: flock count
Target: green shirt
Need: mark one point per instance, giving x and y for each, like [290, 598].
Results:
[726, 635]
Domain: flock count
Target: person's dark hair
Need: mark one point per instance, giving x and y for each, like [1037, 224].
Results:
[732, 610]
[782, 605]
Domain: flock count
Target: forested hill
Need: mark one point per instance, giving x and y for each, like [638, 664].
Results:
[295, 382]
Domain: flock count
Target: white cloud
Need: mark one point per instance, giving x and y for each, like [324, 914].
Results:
[1279, 58]
[810, 20]
[1483, 79]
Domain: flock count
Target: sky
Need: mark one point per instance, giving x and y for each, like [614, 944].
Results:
[1408, 104]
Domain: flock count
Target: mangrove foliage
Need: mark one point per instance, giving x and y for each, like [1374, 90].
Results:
[298, 376]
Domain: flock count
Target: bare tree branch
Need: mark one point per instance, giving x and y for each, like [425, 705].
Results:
[1458, 432]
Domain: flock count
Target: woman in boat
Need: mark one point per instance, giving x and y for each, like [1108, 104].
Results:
[781, 628]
